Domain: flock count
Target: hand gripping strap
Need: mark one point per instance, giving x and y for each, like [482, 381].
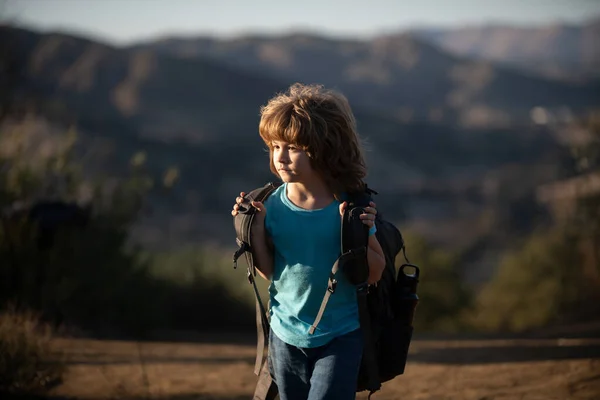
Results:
[243, 227]
[355, 234]
[353, 256]
[243, 222]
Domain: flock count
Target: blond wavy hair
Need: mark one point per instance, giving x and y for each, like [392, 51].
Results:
[321, 123]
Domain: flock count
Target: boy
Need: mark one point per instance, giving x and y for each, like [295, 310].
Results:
[314, 149]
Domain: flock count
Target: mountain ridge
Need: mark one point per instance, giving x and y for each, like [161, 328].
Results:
[557, 50]
[395, 73]
[202, 118]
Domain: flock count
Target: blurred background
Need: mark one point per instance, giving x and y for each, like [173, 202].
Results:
[128, 127]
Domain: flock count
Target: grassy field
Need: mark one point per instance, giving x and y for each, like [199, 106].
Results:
[218, 368]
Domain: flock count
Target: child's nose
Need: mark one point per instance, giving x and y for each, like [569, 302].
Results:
[282, 157]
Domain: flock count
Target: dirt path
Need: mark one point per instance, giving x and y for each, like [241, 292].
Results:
[437, 370]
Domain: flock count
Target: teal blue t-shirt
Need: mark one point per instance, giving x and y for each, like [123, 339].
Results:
[307, 243]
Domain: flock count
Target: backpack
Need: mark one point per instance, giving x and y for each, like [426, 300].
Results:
[386, 309]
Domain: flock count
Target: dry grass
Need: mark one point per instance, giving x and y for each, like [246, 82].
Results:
[28, 363]
[464, 370]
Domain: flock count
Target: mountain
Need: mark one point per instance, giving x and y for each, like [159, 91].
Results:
[457, 186]
[163, 97]
[557, 50]
[399, 75]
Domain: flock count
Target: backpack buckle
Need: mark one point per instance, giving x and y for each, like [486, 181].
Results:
[358, 252]
[244, 247]
[332, 284]
[363, 288]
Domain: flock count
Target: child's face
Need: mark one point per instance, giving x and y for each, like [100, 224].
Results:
[292, 163]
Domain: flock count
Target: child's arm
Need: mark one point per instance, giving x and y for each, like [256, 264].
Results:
[376, 260]
[375, 256]
[263, 246]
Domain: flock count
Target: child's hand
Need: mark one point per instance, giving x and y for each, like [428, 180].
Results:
[260, 208]
[236, 206]
[368, 217]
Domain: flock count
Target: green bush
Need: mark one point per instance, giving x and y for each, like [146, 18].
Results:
[534, 286]
[210, 293]
[91, 276]
[442, 295]
[553, 278]
[28, 364]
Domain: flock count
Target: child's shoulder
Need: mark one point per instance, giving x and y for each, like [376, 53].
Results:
[275, 196]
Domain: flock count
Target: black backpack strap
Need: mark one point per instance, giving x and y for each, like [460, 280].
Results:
[243, 227]
[353, 262]
[243, 222]
[262, 327]
[356, 234]
[369, 359]
[353, 258]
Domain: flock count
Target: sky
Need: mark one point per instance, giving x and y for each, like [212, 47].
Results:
[126, 21]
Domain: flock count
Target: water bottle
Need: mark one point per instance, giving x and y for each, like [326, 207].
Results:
[406, 294]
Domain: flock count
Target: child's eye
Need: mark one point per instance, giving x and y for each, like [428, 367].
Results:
[293, 148]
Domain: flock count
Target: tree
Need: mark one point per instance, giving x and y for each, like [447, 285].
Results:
[554, 276]
[586, 220]
[442, 295]
[534, 285]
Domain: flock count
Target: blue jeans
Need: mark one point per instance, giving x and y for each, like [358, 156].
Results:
[320, 373]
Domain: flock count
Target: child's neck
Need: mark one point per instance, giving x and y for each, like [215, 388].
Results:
[310, 196]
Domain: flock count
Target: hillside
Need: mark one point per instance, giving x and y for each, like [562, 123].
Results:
[558, 50]
[164, 98]
[201, 116]
[398, 74]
